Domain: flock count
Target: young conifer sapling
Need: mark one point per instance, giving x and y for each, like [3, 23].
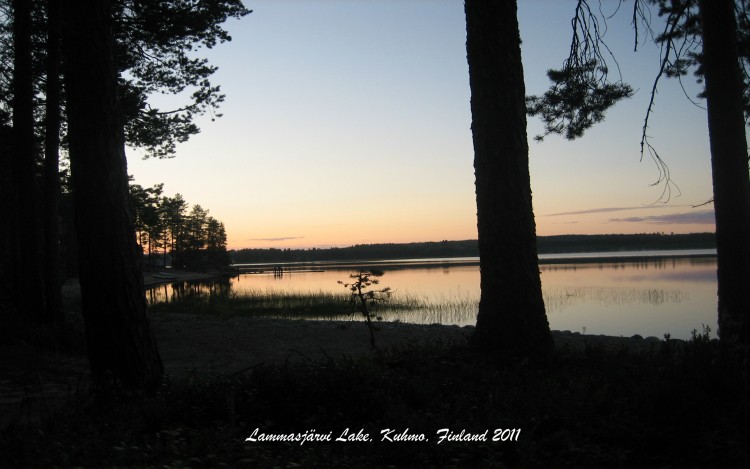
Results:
[363, 296]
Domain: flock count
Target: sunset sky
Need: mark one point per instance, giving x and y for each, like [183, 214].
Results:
[348, 122]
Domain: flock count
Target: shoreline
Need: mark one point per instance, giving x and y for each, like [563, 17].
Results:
[192, 345]
[231, 343]
[273, 326]
[180, 276]
[543, 258]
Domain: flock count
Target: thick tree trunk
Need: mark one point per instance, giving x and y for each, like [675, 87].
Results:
[729, 163]
[511, 309]
[7, 295]
[52, 266]
[121, 347]
[26, 227]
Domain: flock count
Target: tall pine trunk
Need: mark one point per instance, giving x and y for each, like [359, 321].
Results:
[511, 309]
[729, 164]
[26, 235]
[121, 347]
[52, 266]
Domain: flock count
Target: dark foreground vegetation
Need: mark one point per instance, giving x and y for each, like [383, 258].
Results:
[470, 248]
[677, 405]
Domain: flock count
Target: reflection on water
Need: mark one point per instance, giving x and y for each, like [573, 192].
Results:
[646, 297]
[559, 299]
[182, 291]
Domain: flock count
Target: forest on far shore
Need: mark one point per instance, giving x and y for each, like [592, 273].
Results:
[469, 248]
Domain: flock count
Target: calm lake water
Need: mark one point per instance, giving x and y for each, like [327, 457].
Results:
[623, 296]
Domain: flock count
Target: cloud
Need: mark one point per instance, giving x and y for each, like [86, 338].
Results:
[279, 239]
[700, 217]
[601, 210]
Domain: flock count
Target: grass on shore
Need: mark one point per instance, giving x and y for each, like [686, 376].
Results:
[319, 305]
[309, 305]
[683, 406]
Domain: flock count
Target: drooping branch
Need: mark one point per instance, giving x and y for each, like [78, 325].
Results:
[641, 16]
[581, 91]
[678, 52]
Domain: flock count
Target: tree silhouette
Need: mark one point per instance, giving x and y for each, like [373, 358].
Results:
[581, 91]
[511, 309]
[154, 42]
[202, 242]
[729, 164]
[702, 36]
[120, 345]
[52, 127]
[363, 296]
[195, 240]
[25, 224]
[173, 214]
[145, 203]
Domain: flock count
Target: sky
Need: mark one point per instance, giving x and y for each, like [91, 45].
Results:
[348, 122]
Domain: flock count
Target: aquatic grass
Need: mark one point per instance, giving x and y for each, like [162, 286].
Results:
[272, 303]
[294, 304]
[457, 308]
[262, 303]
[559, 299]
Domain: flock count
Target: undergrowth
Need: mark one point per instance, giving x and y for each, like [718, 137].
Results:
[676, 406]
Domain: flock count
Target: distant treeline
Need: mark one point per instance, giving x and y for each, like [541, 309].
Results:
[469, 248]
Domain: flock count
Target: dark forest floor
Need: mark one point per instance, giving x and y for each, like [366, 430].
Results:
[673, 405]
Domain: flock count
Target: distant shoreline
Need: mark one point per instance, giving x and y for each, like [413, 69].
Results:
[544, 259]
[627, 256]
[149, 281]
[563, 244]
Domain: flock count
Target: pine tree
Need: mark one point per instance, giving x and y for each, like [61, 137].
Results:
[121, 348]
[511, 309]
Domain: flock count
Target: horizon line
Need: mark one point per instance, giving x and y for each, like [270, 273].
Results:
[344, 246]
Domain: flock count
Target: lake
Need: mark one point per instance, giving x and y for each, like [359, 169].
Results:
[618, 294]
